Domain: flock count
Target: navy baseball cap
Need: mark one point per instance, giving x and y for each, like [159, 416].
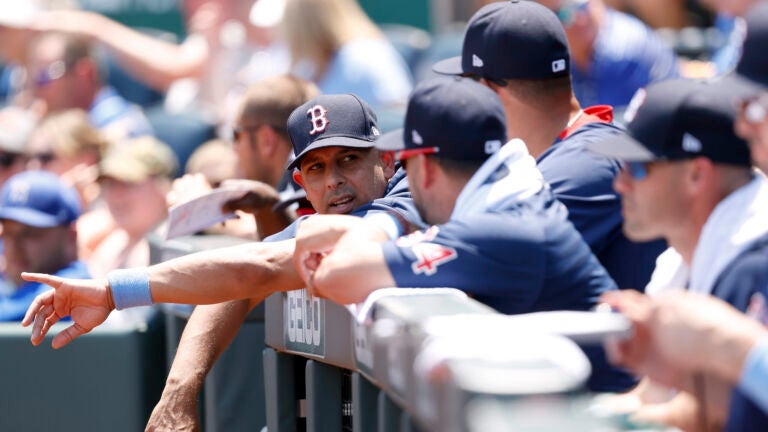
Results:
[453, 118]
[39, 199]
[512, 40]
[331, 120]
[675, 120]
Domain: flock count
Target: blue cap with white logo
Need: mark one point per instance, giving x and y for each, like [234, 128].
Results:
[39, 199]
[331, 120]
[454, 118]
[512, 40]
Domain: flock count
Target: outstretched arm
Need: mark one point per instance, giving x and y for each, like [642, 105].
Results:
[239, 272]
[155, 61]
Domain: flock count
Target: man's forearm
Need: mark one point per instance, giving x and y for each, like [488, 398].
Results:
[219, 275]
[209, 331]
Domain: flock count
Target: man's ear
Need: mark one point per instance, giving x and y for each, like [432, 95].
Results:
[298, 178]
[427, 170]
[388, 163]
[699, 174]
[267, 138]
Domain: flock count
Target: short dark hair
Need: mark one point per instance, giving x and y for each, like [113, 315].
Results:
[462, 168]
[533, 90]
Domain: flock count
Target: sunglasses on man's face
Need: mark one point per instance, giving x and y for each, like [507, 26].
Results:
[8, 159]
[636, 170]
[50, 73]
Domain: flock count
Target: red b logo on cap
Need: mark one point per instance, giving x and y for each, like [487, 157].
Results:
[318, 119]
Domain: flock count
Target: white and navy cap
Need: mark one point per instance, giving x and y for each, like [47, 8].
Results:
[512, 40]
[675, 120]
[331, 120]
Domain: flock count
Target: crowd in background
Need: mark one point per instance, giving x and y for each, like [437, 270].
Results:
[88, 172]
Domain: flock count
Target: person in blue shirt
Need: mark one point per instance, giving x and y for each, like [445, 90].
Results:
[613, 54]
[496, 232]
[535, 89]
[63, 73]
[38, 212]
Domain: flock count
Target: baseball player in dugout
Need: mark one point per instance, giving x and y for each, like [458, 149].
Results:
[342, 173]
[688, 178]
[496, 231]
[534, 86]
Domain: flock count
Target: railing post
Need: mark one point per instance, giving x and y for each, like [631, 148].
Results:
[324, 403]
[280, 388]
[364, 404]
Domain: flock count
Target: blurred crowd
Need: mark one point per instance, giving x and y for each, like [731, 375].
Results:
[91, 160]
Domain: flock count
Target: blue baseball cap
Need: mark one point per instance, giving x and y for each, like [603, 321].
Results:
[512, 40]
[675, 120]
[331, 120]
[39, 199]
[454, 118]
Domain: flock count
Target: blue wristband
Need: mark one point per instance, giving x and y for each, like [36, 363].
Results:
[755, 374]
[130, 287]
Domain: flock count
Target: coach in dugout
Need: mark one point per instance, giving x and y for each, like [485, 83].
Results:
[496, 231]
[341, 172]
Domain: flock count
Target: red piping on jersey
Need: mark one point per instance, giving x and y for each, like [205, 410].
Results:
[593, 114]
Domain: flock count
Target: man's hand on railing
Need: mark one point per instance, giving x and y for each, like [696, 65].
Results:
[88, 302]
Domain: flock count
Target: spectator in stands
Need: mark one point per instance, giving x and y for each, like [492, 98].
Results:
[16, 127]
[38, 212]
[223, 53]
[64, 74]
[688, 178]
[612, 54]
[336, 45]
[135, 176]
[344, 174]
[67, 145]
[535, 89]
[678, 333]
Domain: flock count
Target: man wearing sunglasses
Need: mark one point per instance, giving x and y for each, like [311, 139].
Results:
[613, 54]
[63, 73]
[520, 51]
[496, 231]
[688, 178]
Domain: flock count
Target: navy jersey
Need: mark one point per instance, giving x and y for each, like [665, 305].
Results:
[526, 258]
[583, 181]
[396, 198]
[744, 284]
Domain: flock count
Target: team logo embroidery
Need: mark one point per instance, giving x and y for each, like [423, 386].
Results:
[558, 65]
[318, 116]
[416, 138]
[757, 308]
[691, 144]
[429, 256]
[492, 147]
[375, 131]
[19, 192]
[477, 61]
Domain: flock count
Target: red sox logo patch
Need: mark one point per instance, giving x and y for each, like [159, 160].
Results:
[429, 256]
[318, 116]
